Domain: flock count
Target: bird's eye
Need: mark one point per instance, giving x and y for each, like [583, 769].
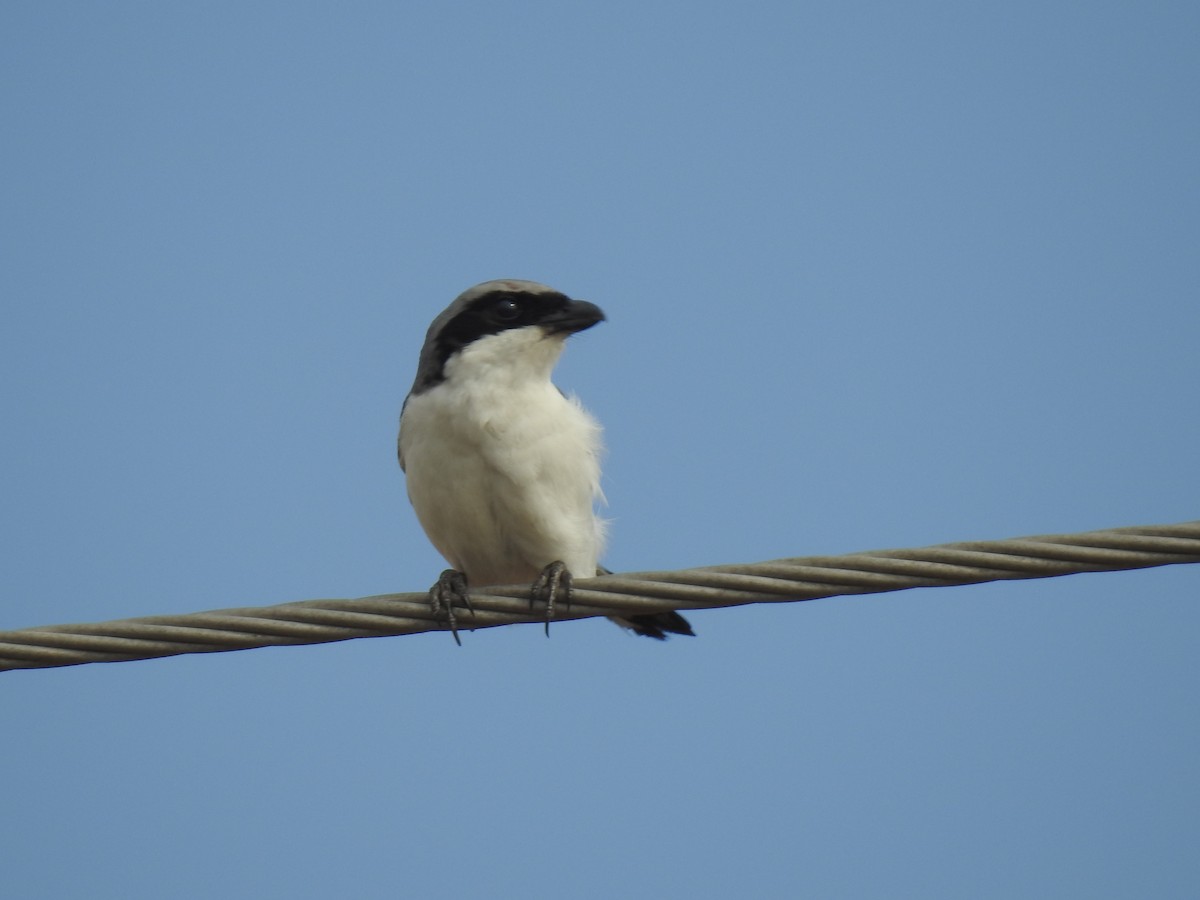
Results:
[507, 309]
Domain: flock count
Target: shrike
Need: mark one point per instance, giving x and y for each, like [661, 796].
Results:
[503, 469]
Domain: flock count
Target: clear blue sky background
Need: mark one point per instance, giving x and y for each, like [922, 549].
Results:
[877, 275]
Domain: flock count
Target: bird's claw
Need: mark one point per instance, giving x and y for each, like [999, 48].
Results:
[449, 592]
[553, 582]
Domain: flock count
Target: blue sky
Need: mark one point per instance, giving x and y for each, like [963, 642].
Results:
[877, 275]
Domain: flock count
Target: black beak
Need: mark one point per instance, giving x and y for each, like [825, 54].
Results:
[576, 316]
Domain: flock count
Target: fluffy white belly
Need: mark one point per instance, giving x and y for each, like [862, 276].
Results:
[504, 485]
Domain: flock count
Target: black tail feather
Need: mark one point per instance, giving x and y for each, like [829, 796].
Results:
[656, 625]
[652, 625]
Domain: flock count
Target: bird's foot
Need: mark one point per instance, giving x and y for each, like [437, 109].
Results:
[449, 592]
[553, 583]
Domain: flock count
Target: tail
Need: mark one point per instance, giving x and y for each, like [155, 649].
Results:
[652, 625]
[656, 625]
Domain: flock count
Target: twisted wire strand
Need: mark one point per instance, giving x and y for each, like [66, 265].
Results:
[780, 580]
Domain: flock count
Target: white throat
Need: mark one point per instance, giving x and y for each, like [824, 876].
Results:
[510, 359]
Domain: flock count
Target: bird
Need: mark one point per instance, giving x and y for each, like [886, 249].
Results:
[502, 468]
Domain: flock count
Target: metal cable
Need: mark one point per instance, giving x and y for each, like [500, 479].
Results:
[781, 580]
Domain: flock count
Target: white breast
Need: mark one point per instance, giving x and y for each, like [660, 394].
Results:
[503, 470]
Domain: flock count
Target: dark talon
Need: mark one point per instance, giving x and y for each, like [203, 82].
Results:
[554, 581]
[450, 591]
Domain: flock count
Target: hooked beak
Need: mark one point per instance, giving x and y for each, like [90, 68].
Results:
[576, 316]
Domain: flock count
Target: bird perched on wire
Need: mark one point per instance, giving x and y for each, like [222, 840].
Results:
[503, 469]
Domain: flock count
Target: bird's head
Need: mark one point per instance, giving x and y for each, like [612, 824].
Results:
[505, 327]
